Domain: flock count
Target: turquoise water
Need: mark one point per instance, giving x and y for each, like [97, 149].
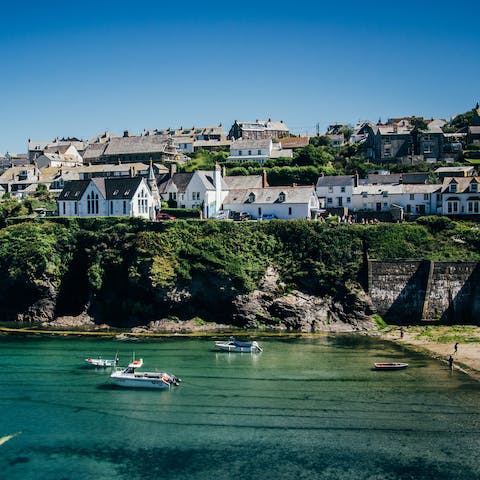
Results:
[303, 409]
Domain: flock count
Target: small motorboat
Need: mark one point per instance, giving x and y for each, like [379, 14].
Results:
[100, 362]
[390, 366]
[129, 377]
[233, 345]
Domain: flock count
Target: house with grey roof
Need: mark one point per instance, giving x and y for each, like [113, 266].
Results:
[259, 129]
[286, 203]
[103, 197]
[336, 190]
[259, 151]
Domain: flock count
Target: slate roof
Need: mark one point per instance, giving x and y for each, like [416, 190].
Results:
[245, 144]
[132, 145]
[336, 181]
[109, 188]
[376, 179]
[94, 150]
[270, 195]
[207, 179]
[263, 125]
[73, 190]
[180, 180]
[459, 169]
[243, 181]
[463, 184]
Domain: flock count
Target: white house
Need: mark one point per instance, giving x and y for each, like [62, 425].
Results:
[246, 150]
[101, 197]
[416, 199]
[206, 190]
[284, 202]
[65, 156]
[336, 190]
[461, 196]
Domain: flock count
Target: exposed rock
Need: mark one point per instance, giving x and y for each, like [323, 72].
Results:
[80, 321]
[176, 326]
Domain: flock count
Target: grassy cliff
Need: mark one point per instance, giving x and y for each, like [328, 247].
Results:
[128, 270]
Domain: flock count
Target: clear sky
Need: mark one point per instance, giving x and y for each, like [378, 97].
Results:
[79, 68]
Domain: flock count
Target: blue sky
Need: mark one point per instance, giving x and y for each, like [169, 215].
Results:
[76, 69]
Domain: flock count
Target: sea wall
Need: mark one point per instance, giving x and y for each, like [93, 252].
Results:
[412, 291]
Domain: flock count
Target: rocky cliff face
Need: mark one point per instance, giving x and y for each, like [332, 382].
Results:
[272, 306]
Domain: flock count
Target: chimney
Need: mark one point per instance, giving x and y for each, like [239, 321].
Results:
[355, 179]
[126, 134]
[264, 179]
[173, 169]
[224, 171]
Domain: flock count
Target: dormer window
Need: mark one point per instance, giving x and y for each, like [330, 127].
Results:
[115, 192]
[474, 187]
[453, 188]
[281, 197]
[251, 197]
[67, 194]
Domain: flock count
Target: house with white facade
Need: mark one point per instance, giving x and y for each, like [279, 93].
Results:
[103, 197]
[62, 156]
[259, 151]
[421, 199]
[286, 203]
[461, 196]
[336, 190]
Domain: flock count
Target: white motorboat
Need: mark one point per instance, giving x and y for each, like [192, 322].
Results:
[232, 345]
[129, 377]
[101, 362]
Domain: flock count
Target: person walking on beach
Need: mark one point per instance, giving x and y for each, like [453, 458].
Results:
[401, 332]
[450, 362]
[455, 348]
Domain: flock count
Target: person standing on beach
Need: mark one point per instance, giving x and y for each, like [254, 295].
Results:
[401, 332]
[455, 348]
[450, 362]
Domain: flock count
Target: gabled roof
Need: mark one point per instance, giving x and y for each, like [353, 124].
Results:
[391, 178]
[336, 181]
[109, 188]
[73, 190]
[139, 144]
[94, 150]
[180, 180]
[463, 184]
[207, 178]
[243, 181]
[245, 144]
[270, 195]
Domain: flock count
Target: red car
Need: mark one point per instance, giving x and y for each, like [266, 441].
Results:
[165, 216]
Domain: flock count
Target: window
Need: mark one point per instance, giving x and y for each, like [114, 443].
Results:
[385, 205]
[349, 199]
[249, 152]
[64, 207]
[427, 149]
[427, 137]
[426, 196]
[289, 210]
[384, 193]
[259, 152]
[67, 194]
[342, 189]
[453, 187]
[142, 202]
[92, 203]
[329, 200]
[251, 197]
[124, 207]
[474, 187]
[259, 212]
[387, 140]
[111, 207]
[281, 197]
[364, 194]
[195, 195]
[387, 152]
[330, 189]
[75, 207]
[473, 206]
[239, 153]
[452, 207]
[412, 196]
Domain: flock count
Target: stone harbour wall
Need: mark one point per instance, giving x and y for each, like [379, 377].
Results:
[411, 291]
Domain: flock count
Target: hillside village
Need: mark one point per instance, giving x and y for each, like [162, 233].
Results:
[389, 171]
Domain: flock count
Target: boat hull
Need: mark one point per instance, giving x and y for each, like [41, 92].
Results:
[236, 349]
[143, 383]
[390, 366]
[99, 363]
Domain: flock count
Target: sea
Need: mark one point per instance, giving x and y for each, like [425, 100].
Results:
[304, 408]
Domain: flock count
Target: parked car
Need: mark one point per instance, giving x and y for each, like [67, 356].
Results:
[222, 215]
[241, 216]
[268, 216]
[165, 216]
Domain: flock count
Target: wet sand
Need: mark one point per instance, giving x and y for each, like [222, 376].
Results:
[439, 342]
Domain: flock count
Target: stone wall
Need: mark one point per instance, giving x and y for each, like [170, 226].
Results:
[409, 292]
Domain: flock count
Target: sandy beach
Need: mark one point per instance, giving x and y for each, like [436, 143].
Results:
[439, 342]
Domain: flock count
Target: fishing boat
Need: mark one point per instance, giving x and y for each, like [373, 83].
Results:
[101, 362]
[232, 345]
[130, 377]
[390, 366]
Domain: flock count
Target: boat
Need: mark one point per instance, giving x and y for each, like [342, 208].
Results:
[130, 377]
[233, 345]
[101, 362]
[390, 366]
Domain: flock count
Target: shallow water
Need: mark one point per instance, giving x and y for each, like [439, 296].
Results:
[302, 409]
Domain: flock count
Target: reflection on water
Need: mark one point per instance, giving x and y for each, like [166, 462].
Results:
[304, 408]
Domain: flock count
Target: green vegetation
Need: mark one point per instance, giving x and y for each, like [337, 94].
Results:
[131, 268]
